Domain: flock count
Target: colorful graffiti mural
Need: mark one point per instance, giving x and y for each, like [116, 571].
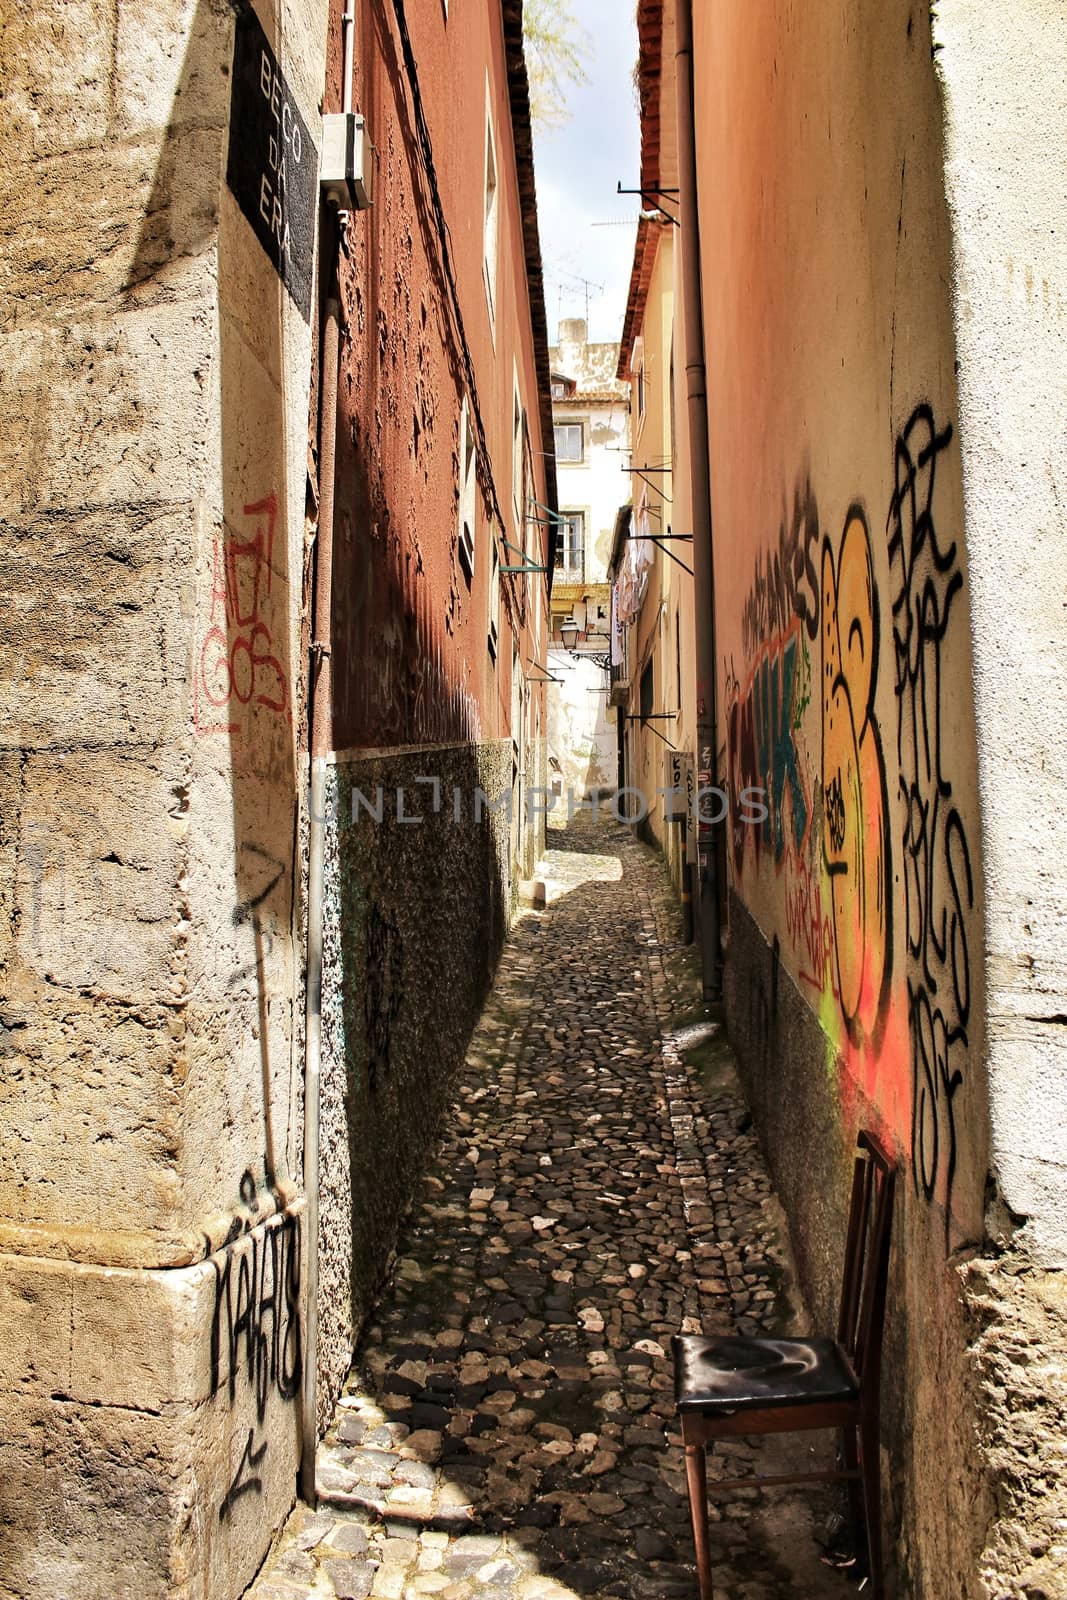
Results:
[761, 723]
[837, 827]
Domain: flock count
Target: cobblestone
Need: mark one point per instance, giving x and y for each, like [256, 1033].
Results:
[507, 1431]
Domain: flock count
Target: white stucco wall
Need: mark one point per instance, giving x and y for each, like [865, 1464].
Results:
[581, 726]
[1005, 93]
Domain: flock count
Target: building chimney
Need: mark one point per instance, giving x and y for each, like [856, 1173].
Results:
[573, 330]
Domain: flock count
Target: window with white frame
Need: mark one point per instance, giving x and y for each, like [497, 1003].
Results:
[468, 483]
[570, 546]
[570, 442]
[491, 215]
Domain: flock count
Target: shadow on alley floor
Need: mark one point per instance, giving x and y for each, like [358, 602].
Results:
[507, 1431]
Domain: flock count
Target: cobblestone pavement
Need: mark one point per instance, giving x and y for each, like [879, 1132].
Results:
[507, 1431]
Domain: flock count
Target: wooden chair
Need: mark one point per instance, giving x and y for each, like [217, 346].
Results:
[731, 1386]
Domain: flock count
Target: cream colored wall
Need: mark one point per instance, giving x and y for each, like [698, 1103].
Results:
[669, 590]
[597, 485]
[157, 376]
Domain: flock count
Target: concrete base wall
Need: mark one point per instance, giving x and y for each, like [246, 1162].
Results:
[149, 1420]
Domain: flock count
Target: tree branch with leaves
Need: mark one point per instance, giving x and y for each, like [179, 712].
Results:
[557, 48]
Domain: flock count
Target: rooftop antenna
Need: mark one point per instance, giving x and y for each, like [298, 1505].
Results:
[586, 283]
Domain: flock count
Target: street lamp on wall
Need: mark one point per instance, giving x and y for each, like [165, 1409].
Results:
[569, 631]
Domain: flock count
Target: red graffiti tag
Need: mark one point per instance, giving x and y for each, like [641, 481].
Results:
[236, 665]
[810, 928]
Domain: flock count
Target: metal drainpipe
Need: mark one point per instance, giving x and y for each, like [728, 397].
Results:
[700, 488]
[319, 741]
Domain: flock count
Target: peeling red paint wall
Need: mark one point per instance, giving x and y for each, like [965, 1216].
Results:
[411, 658]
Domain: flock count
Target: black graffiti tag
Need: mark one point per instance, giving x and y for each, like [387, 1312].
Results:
[835, 814]
[241, 1485]
[938, 881]
[256, 1326]
[786, 584]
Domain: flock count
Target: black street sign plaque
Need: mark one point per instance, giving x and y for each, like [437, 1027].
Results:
[272, 163]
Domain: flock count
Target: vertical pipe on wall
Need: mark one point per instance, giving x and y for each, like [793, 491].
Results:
[319, 740]
[320, 722]
[348, 24]
[700, 485]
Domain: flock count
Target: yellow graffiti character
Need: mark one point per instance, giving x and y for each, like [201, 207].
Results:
[855, 840]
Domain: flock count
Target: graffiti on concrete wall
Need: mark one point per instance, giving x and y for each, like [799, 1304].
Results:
[785, 586]
[237, 668]
[762, 720]
[936, 858]
[855, 806]
[828, 838]
[810, 927]
[256, 1334]
[838, 825]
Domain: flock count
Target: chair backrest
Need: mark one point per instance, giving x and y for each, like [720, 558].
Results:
[863, 1290]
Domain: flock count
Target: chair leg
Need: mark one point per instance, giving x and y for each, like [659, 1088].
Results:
[872, 1501]
[697, 1478]
[851, 1456]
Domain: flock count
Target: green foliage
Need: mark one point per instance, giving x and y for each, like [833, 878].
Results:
[557, 48]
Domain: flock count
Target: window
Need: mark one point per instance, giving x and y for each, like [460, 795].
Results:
[532, 542]
[534, 538]
[494, 594]
[559, 390]
[570, 546]
[678, 658]
[468, 459]
[518, 428]
[570, 443]
[647, 701]
[492, 205]
[637, 367]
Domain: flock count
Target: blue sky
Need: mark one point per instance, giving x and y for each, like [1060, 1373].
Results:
[578, 167]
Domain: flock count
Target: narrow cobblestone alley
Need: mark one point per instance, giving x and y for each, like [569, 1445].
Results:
[507, 1428]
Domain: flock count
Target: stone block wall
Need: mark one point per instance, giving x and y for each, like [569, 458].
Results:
[155, 372]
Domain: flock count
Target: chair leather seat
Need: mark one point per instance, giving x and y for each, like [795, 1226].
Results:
[735, 1374]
